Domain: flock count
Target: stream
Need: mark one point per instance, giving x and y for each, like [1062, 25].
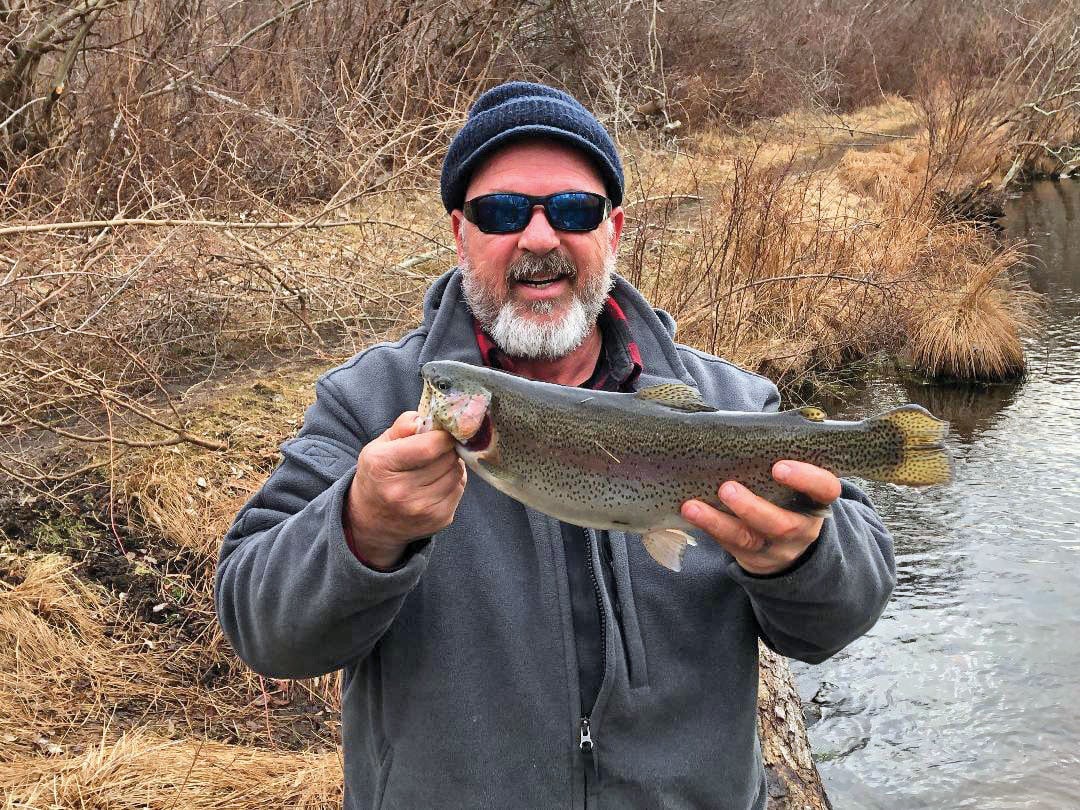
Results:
[965, 694]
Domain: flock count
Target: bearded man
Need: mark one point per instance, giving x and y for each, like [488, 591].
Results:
[495, 657]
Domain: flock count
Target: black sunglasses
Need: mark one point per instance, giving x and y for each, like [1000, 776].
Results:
[577, 211]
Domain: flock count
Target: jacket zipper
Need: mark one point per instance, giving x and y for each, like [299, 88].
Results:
[585, 736]
[599, 599]
[585, 743]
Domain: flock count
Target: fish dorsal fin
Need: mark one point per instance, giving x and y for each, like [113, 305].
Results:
[813, 414]
[675, 395]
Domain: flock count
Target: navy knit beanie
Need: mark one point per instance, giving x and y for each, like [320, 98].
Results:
[517, 109]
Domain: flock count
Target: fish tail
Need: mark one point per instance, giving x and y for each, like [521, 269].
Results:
[918, 456]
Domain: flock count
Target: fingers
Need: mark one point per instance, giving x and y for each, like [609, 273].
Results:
[762, 536]
[820, 485]
[434, 505]
[405, 449]
[419, 451]
[404, 425]
[407, 485]
[440, 467]
[758, 523]
[765, 518]
[726, 530]
[448, 485]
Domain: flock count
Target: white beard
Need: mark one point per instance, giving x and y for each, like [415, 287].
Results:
[520, 336]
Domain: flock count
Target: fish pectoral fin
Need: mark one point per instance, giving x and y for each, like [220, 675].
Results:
[676, 396]
[667, 546]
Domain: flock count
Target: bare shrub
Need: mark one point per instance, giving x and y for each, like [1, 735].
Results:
[113, 108]
[101, 333]
[787, 274]
[767, 274]
[1009, 94]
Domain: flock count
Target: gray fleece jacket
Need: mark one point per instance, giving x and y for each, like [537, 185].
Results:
[460, 682]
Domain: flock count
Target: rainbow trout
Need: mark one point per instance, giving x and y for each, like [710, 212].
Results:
[629, 461]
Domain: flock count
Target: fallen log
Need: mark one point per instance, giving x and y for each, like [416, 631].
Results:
[790, 772]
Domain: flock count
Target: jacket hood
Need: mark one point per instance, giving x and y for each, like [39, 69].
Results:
[448, 323]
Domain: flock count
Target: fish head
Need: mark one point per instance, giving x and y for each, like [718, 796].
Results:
[454, 400]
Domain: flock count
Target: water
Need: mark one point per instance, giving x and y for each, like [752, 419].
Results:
[965, 694]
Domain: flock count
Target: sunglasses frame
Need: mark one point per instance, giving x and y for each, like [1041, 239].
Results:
[469, 209]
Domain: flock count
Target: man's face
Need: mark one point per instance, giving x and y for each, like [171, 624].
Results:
[539, 291]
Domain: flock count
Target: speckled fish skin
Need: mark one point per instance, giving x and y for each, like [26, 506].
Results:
[629, 461]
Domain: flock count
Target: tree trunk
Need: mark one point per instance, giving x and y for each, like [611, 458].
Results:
[793, 779]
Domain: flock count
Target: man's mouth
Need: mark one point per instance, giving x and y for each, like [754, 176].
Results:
[541, 282]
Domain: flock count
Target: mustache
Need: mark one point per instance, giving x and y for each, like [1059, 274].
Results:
[531, 266]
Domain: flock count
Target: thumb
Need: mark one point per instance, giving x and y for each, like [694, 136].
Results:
[404, 425]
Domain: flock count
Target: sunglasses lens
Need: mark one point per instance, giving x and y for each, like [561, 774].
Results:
[501, 213]
[575, 211]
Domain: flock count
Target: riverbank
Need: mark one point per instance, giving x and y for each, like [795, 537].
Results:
[962, 694]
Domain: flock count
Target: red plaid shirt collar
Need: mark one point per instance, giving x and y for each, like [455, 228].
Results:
[618, 366]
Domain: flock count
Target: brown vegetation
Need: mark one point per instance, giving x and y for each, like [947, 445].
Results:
[192, 189]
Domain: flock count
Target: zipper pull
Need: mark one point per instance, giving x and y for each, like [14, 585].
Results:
[585, 742]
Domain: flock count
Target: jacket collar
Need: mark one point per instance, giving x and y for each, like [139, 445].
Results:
[449, 328]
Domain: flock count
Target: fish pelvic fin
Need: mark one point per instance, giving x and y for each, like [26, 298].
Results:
[923, 458]
[667, 546]
[805, 505]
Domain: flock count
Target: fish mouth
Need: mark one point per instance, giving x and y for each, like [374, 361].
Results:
[424, 408]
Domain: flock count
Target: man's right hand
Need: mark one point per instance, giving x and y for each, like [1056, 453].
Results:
[407, 486]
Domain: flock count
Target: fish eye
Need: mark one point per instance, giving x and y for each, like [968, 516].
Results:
[443, 385]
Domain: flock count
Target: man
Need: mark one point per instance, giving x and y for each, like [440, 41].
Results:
[493, 656]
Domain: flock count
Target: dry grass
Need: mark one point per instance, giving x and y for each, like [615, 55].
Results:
[119, 690]
[105, 652]
[973, 327]
[795, 271]
[60, 670]
[141, 770]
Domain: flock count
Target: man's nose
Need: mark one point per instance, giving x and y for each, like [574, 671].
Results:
[538, 237]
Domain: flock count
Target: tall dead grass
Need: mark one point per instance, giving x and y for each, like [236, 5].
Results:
[59, 670]
[971, 323]
[104, 705]
[797, 273]
[146, 772]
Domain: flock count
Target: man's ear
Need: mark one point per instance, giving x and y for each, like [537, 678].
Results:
[457, 224]
[616, 220]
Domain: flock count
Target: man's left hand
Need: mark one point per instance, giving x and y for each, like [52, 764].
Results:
[762, 537]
